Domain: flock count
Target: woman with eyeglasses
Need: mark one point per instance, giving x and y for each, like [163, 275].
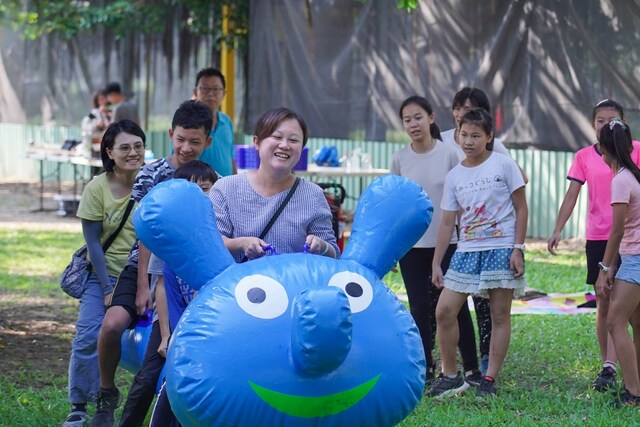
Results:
[102, 208]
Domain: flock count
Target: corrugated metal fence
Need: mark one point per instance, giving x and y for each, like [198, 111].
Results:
[546, 170]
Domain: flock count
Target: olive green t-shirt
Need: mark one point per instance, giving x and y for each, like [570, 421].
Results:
[97, 204]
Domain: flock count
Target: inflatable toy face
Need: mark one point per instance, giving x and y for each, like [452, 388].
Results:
[298, 339]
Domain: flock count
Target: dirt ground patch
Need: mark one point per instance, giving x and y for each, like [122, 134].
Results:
[21, 207]
[36, 337]
[35, 333]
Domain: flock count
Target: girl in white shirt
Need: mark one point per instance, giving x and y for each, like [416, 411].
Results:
[487, 191]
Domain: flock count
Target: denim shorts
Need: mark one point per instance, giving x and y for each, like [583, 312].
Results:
[629, 269]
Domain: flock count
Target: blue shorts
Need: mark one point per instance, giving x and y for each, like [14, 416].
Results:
[477, 272]
[629, 269]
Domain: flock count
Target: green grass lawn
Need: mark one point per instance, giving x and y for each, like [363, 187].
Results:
[545, 379]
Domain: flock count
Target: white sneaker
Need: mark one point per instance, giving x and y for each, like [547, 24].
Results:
[76, 419]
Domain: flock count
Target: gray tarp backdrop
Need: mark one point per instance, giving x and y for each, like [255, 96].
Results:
[347, 66]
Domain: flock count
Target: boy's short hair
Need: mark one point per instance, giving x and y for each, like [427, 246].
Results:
[196, 170]
[210, 72]
[193, 115]
[113, 87]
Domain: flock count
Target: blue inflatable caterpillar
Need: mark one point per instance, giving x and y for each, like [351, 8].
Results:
[293, 339]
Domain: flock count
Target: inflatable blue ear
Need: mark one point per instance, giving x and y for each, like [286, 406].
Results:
[294, 339]
[176, 215]
[391, 216]
[134, 343]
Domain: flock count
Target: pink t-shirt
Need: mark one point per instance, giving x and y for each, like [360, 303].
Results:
[589, 167]
[625, 188]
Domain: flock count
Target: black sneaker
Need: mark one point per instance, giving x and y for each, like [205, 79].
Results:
[605, 380]
[76, 419]
[487, 388]
[474, 378]
[445, 387]
[431, 378]
[108, 402]
[626, 399]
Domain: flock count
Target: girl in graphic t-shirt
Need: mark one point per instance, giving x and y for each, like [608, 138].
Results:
[623, 286]
[487, 190]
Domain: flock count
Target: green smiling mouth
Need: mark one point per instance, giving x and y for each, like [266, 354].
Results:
[309, 407]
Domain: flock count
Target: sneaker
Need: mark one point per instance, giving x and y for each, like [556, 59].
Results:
[605, 380]
[487, 388]
[474, 378]
[106, 407]
[484, 364]
[76, 419]
[431, 378]
[446, 387]
[626, 399]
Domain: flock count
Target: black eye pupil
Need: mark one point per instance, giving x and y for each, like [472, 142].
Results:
[353, 289]
[256, 295]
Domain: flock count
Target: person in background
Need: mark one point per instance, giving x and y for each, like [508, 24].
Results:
[246, 202]
[427, 160]
[189, 136]
[489, 260]
[588, 167]
[210, 89]
[123, 108]
[102, 207]
[94, 124]
[623, 285]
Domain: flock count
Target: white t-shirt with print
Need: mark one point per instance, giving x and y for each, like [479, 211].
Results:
[483, 194]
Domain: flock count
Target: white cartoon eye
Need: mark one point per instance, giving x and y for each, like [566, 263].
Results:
[357, 288]
[261, 296]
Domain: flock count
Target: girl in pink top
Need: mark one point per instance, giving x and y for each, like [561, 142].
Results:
[624, 292]
[588, 167]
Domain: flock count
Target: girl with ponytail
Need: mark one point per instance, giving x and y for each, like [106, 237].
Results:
[623, 285]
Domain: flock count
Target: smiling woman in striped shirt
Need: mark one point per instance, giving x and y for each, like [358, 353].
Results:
[246, 203]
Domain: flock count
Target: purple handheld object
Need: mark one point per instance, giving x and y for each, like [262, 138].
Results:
[270, 250]
[146, 319]
[305, 248]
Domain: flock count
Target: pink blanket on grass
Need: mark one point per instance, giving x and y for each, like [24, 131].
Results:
[554, 304]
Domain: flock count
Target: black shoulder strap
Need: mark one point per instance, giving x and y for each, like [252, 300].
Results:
[280, 209]
[277, 213]
[113, 236]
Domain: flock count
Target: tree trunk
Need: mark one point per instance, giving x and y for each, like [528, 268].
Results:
[84, 66]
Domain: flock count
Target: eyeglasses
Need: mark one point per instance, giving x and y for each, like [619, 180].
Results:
[213, 90]
[126, 149]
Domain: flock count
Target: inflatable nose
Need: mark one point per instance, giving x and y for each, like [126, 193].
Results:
[321, 330]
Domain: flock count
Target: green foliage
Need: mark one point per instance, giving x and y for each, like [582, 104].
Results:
[68, 18]
[408, 5]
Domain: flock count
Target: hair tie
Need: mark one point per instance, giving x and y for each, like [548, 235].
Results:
[616, 121]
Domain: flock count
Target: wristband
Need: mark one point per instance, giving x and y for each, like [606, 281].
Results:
[326, 249]
[603, 267]
[520, 246]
